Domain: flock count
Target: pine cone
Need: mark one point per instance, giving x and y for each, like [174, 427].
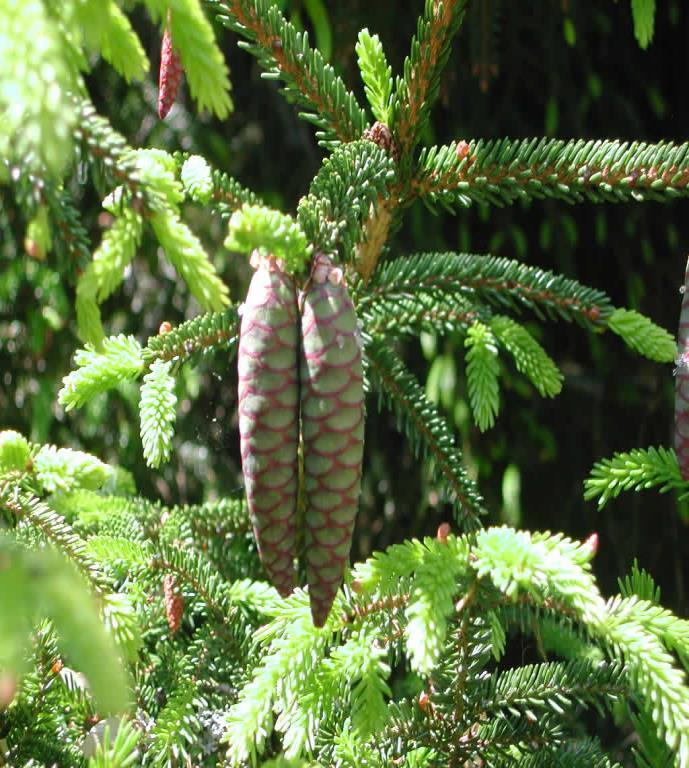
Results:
[171, 73]
[174, 602]
[332, 410]
[682, 384]
[269, 417]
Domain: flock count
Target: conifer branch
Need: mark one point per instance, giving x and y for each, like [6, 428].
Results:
[285, 54]
[504, 283]
[500, 172]
[203, 334]
[418, 89]
[425, 428]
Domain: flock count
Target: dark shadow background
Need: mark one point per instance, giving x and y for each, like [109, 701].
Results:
[563, 69]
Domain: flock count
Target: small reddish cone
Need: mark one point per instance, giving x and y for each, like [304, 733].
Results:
[682, 384]
[171, 73]
[332, 414]
[174, 603]
[268, 402]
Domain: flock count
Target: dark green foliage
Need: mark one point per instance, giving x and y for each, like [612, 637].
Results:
[479, 646]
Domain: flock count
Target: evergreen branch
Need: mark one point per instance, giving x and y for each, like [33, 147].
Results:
[201, 576]
[417, 90]
[637, 470]
[349, 183]
[501, 282]
[205, 333]
[204, 185]
[157, 413]
[482, 369]
[503, 171]
[55, 529]
[400, 315]
[118, 159]
[38, 118]
[292, 649]
[436, 582]
[119, 359]
[285, 55]
[176, 727]
[643, 13]
[643, 336]
[554, 686]
[62, 469]
[376, 74]
[425, 427]
[578, 754]
[529, 357]
[272, 233]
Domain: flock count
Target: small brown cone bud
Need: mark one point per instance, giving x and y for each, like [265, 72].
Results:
[8, 690]
[424, 701]
[174, 603]
[380, 134]
[444, 531]
[165, 327]
[171, 73]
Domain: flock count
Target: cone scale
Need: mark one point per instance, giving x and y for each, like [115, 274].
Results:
[268, 403]
[332, 421]
[681, 436]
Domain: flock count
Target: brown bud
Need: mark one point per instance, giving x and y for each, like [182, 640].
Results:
[380, 134]
[165, 327]
[444, 531]
[424, 701]
[174, 602]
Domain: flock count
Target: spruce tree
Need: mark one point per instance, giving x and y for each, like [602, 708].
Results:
[138, 633]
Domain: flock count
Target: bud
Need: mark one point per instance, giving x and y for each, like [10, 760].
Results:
[444, 531]
[165, 327]
[171, 72]
[174, 602]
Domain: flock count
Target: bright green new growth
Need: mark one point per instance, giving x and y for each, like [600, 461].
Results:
[482, 368]
[197, 180]
[637, 470]
[157, 413]
[376, 74]
[119, 358]
[62, 469]
[643, 13]
[643, 336]
[271, 233]
[14, 451]
[43, 585]
[36, 115]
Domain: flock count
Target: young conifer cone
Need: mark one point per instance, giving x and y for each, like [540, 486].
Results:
[682, 384]
[171, 73]
[332, 412]
[269, 416]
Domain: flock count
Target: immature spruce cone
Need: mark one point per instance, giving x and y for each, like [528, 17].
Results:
[171, 73]
[269, 416]
[682, 384]
[174, 602]
[332, 412]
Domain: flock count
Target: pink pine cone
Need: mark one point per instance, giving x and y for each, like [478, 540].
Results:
[171, 73]
[269, 418]
[682, 384]
[332, 403]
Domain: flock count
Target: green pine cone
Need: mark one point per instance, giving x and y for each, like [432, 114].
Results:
[269, 417]
[332, 412]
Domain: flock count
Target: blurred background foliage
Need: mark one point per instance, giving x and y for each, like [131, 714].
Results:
[562, 68]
